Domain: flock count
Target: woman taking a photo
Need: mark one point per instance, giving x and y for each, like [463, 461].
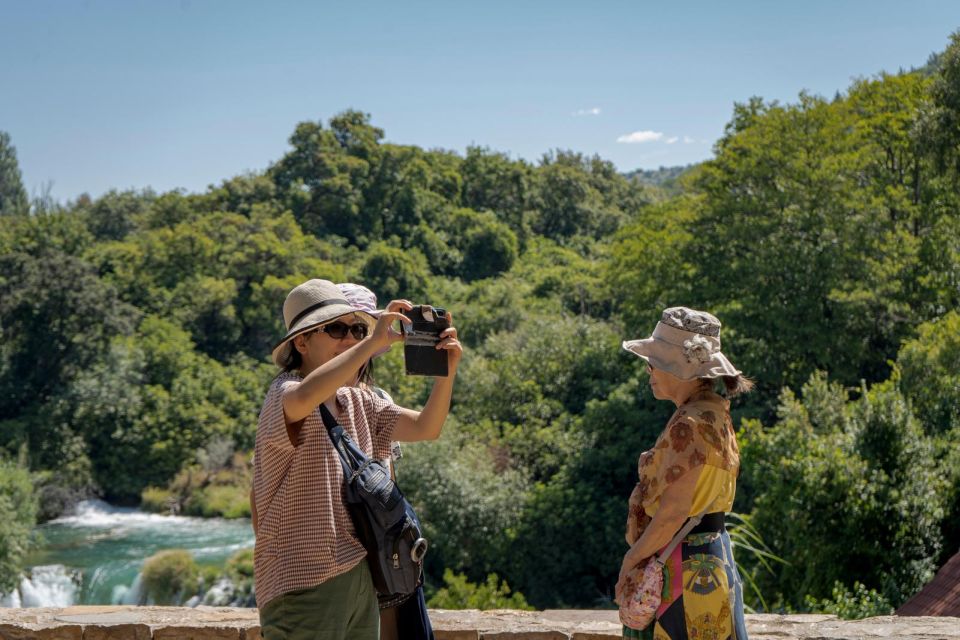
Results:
[402, 616]
[310, 570]
[691, 471]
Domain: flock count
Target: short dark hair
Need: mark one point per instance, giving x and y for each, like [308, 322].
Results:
[736, 385]
[294, 360]
[365, 376]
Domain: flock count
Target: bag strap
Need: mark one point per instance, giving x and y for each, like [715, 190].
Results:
[337, 436]
[328, 420]
[684, 530]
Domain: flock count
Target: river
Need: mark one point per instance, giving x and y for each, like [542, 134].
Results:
[94, 556]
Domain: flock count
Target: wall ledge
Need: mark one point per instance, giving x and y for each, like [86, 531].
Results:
[224, 623]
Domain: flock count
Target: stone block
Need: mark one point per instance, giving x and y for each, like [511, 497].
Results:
[40, 631]
[524, 635]
[116, 632]
[455, 634]
[250, 633]
[195, 632]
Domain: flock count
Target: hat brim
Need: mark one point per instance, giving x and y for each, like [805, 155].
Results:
[313, 320]
[667, 356]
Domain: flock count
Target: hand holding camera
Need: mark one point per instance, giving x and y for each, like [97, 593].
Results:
[431, 347]
[384, 334]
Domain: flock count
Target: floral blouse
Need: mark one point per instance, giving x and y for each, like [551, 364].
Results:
[699, 434]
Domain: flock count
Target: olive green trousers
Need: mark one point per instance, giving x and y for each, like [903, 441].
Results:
[342, 608]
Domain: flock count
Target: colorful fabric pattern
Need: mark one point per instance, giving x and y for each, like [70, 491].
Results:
[702, 596]
[699, 435]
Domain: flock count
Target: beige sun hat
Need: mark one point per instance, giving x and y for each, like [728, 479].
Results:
[685, 343]
[309, 305]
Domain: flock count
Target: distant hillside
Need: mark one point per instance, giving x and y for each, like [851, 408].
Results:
[664, 177]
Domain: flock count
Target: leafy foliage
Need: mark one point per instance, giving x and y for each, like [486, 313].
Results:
[13, 197]
[824, 233]
[18, 510]
[851, 605]
[841, 472]
[169, 577]
[459, 593]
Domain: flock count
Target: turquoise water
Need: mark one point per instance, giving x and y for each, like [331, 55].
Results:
[95, 555]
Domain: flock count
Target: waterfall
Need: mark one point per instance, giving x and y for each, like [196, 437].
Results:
[46, 586]
[133, 594]
[95, 555]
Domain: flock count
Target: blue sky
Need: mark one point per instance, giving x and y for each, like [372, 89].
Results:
[129, 94]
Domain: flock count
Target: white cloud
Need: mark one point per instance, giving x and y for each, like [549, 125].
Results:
[671, 140]
[639, 137]
[688, 140]
[593, 111]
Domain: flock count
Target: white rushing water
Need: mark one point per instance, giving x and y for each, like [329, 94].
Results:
[95, 554]
[48, 586]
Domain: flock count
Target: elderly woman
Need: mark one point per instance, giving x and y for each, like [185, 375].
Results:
[312, 578]
[690, 471]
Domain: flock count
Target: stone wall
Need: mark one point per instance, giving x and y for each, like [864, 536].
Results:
[209, 623]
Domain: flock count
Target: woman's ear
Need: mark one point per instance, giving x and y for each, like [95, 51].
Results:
[300, 343]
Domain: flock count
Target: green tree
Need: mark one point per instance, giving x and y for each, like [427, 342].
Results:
[929, 368]
[18, 511]
[858, 483]
[811, 240]
[56, 320]
[325, 174]
[489, 249]
[939, 125]
[468, 498]
[396, 273]
[651, 266]
[13, 197]
[157, 400]
[114, 215]
[493, 182]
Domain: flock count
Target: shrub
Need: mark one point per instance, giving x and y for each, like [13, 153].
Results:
[852, 605]
[157, 500]
[170, 577]
[459, 593]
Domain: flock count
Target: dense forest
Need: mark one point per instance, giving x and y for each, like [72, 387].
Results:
[135, 330]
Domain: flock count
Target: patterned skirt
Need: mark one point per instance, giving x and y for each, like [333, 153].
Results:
[702, 591]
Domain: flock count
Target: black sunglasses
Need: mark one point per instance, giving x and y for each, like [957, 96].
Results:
[338, 330]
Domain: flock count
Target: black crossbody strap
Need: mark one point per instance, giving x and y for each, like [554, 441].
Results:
[328, 420]
[337, 435]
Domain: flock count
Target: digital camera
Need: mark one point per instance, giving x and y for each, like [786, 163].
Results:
[421, 335]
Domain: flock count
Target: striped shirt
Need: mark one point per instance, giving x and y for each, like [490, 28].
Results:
[304, 532]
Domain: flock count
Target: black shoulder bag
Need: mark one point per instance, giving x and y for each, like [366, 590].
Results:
[386, 524]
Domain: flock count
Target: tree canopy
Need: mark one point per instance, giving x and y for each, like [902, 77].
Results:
[824, 234]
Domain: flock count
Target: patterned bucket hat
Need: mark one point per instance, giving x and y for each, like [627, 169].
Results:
[685, 343]
[360, 298]
[363, 299]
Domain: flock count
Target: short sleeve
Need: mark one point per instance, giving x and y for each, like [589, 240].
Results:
[272, 425]
[684, 449]
[273, 450]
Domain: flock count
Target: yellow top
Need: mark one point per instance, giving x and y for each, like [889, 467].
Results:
[699, 434]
